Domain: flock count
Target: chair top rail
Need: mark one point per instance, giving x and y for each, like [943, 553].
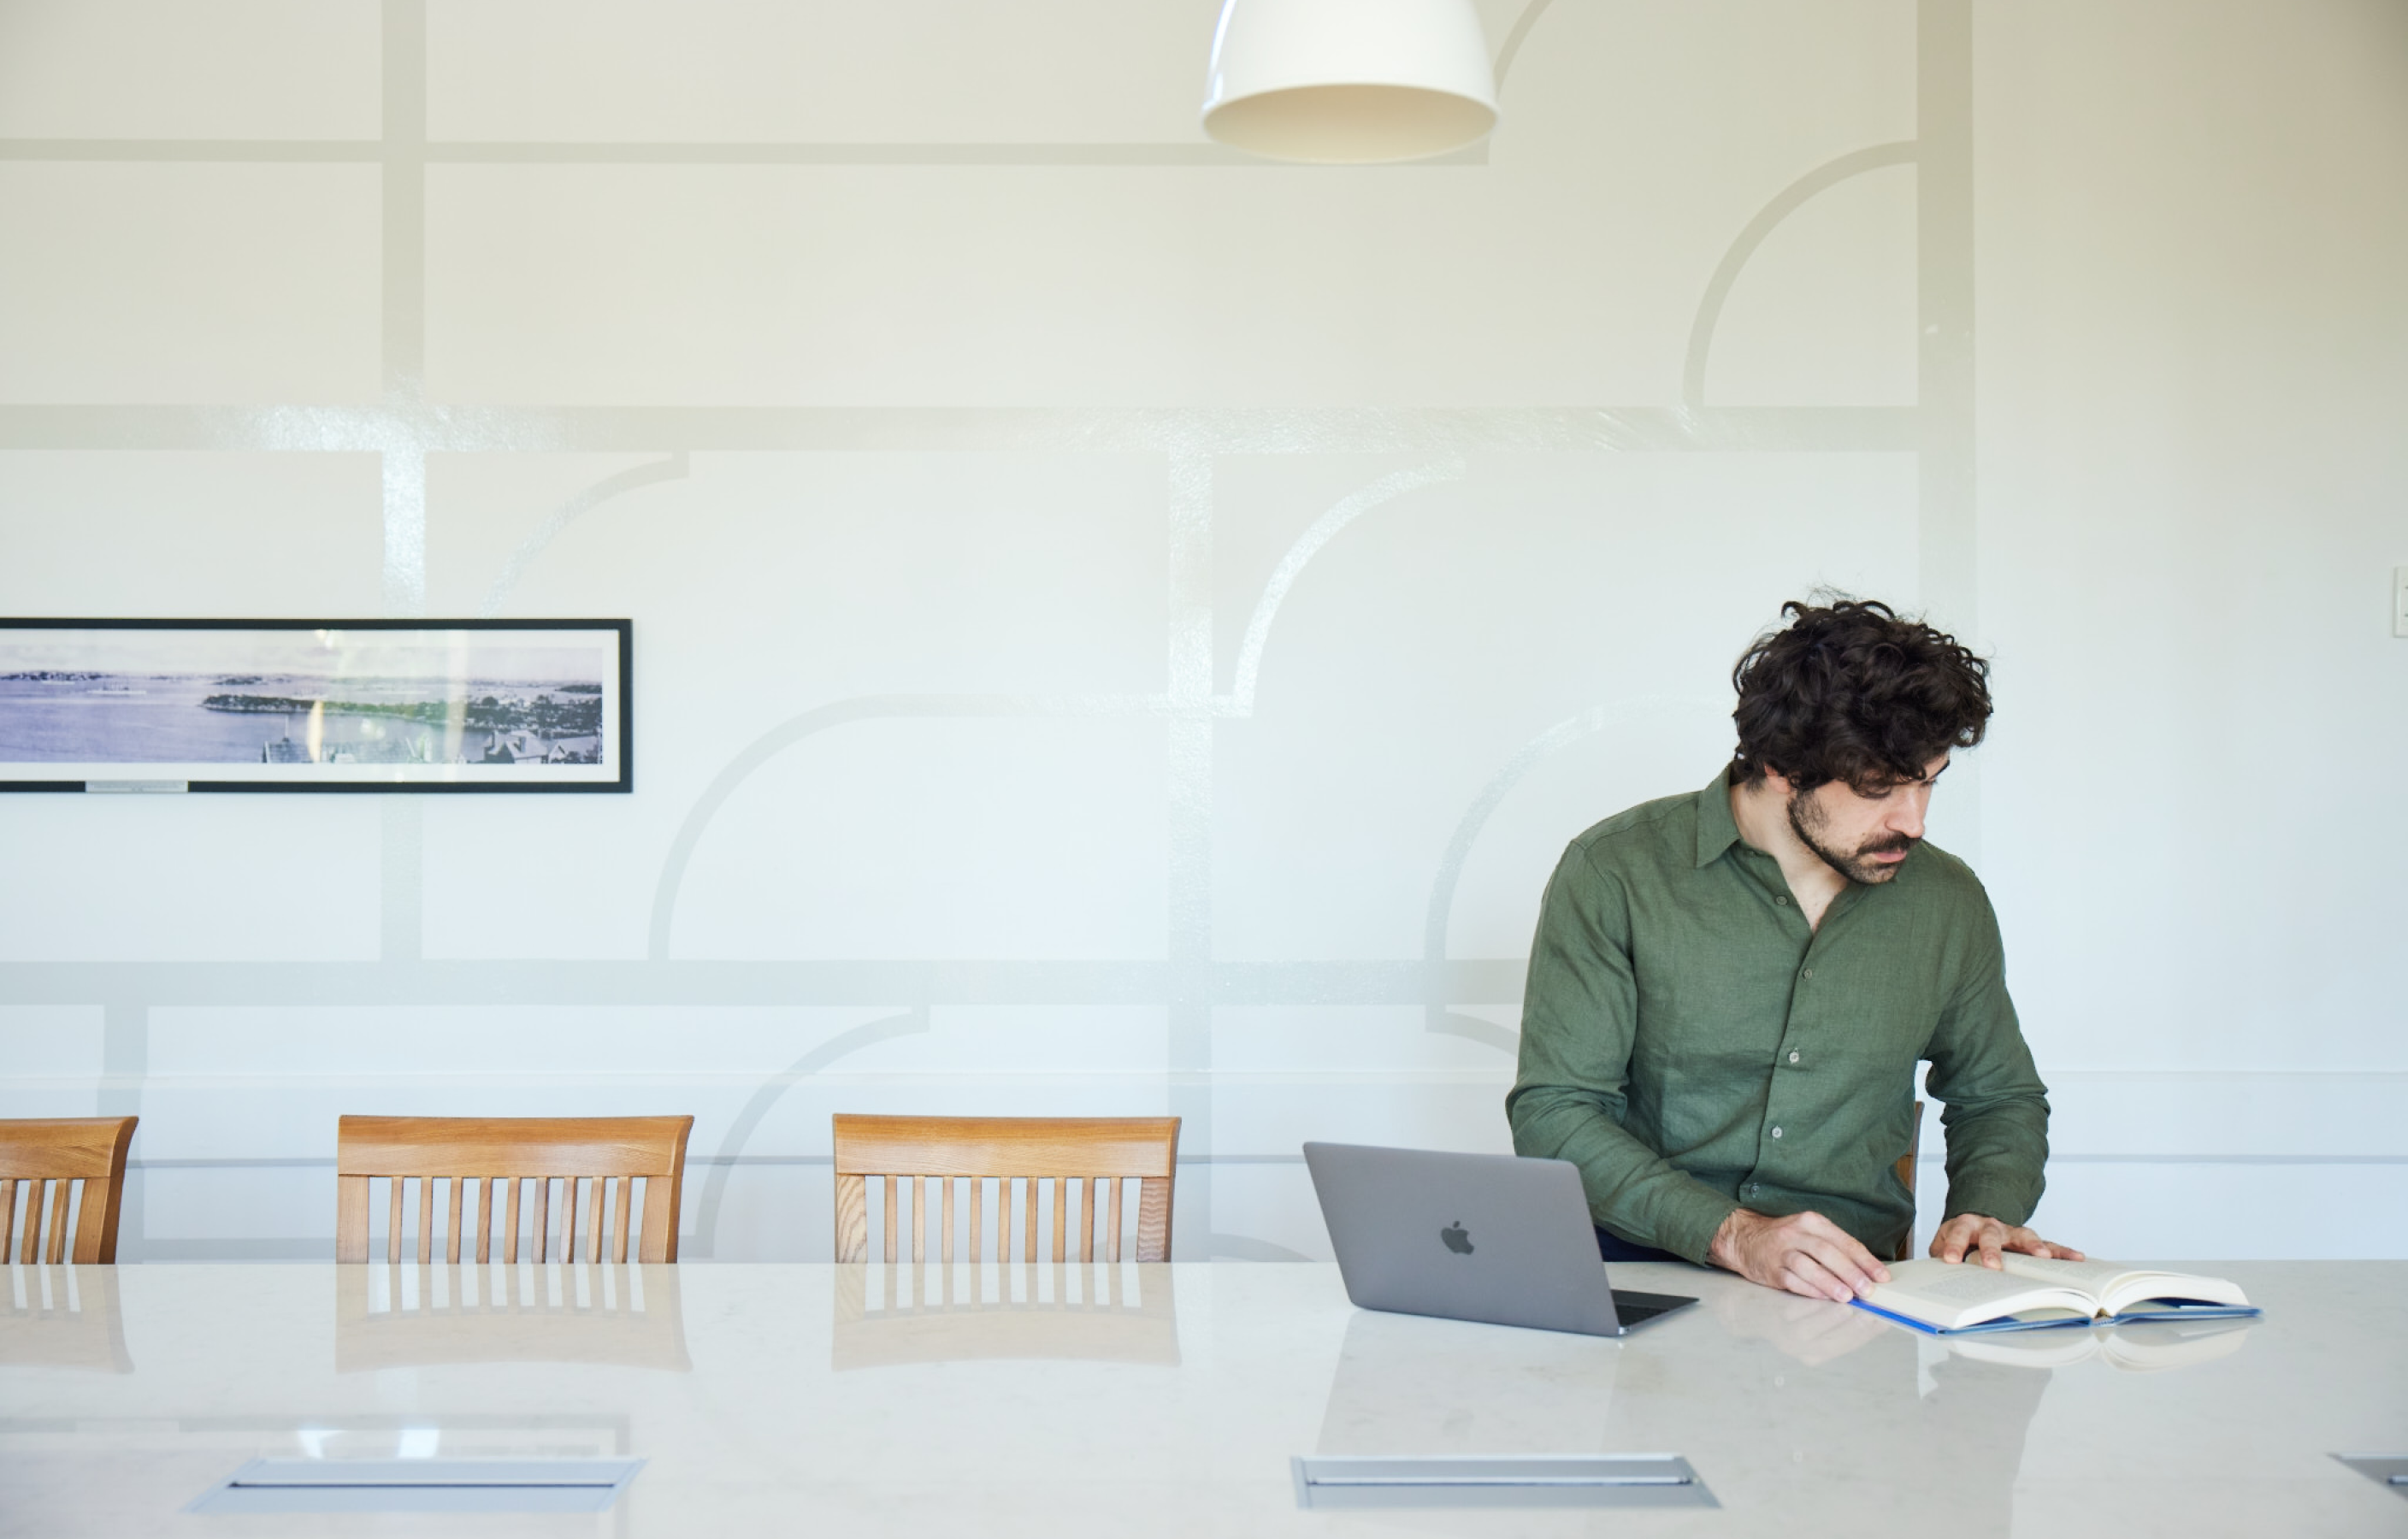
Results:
[62, 1148]
[511, 1145]
[1142, 1146]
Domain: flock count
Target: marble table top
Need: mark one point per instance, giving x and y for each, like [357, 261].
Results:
[1169, 1399]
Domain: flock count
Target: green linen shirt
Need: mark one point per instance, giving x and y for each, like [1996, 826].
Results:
[1694, 1047]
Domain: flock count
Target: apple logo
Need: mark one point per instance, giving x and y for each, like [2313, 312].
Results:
[1458, 1238]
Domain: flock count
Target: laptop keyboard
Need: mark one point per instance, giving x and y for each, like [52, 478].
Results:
[1632, 1307]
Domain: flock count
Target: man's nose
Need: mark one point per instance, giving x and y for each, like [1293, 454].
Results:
[1908, 817]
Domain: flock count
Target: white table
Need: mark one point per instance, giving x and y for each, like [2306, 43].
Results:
[1158, 1400]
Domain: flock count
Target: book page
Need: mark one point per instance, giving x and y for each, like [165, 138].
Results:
[1949, 1295]
[2092, 1277]
[2118, 1287]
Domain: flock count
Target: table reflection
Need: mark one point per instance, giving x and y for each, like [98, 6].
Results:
[1826, 1416]
[409, 1315]
[63, 1317]
[1830, 1416]
[1406, 1383]
[887, 1315]
[2146, 1346]
[1808, 1330]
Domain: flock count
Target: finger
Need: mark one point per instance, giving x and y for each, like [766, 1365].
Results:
[1799, 1283]
[1992, 1235]
[1839, 1259]
[1949, 1244]
[1860, 1261]
[1809, 1268]
[1860, 1257]
[2029, 1243]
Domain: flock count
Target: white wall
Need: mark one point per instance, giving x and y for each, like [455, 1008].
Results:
[1121, 627]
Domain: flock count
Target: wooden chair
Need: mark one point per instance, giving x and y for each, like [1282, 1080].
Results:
[49, 1156]
[511, 1151]
[1020, 1154]
[1906, 1173]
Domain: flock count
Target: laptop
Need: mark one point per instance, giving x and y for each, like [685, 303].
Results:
[1471, 1237]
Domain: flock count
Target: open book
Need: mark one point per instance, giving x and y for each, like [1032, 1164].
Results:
[2034, 1293]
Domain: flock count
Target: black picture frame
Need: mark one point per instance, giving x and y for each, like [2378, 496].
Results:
[412, 706]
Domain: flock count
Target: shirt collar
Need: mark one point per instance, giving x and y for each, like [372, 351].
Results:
[1717, 831]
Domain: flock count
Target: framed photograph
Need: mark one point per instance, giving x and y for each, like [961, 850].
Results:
[315, 705]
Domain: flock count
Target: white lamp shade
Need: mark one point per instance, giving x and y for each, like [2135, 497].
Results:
[1348, 80]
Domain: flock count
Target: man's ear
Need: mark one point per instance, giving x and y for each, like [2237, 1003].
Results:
[1776, 782]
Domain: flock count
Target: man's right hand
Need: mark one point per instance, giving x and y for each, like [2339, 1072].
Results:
[1804, 1253]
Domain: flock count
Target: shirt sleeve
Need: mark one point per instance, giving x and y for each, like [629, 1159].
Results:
[1996, 1108]
[1579, 1016]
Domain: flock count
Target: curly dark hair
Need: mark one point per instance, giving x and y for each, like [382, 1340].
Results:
[1847, 691]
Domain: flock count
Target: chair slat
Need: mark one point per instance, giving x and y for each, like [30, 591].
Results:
[485, 1221]
[511, 1223]
[887, 1224]
[664, 1198]
[1113, 1230]
[919, 1220]
[351, 1217]
[57, 1250]
[1029, 1228]
[452, 1245]
[30, 1249]
[542, 1217]
[945, 1246]
[852, 1218]
[1154, 1220]
[8, 1214]
[393, 1185]
[1061, 1211]
[618, 1227]
[425, 1219]
[593, 1218]
[978, 1190]
[1087, 1220]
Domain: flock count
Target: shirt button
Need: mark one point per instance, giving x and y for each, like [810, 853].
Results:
[1783, 901]
[1793, 1058]
[1807, 974]
[1776, 1132]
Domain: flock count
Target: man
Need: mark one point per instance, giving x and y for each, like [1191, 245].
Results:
[1730, 991]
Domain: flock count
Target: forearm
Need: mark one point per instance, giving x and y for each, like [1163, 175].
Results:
[1631, 1189]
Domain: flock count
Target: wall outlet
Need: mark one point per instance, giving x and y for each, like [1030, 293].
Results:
[2400, 600]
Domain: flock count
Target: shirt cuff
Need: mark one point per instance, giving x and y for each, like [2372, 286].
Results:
[1691, 1231]
[2001, 1200]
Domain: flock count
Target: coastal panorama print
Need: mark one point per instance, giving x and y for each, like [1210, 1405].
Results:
[314, 705]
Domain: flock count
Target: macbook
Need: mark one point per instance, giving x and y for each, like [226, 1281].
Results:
[1471, 1237]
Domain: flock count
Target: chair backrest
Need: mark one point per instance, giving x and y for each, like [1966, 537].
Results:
[1020, 1154]
[513, 1152]
[46, 1157]
[1906, 1173]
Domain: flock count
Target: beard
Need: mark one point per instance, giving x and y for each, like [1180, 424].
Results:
[1808, 821]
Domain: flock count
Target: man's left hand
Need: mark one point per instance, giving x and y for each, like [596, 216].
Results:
[1974, 1237]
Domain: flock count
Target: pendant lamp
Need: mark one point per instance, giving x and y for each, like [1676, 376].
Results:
[1348, 80]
